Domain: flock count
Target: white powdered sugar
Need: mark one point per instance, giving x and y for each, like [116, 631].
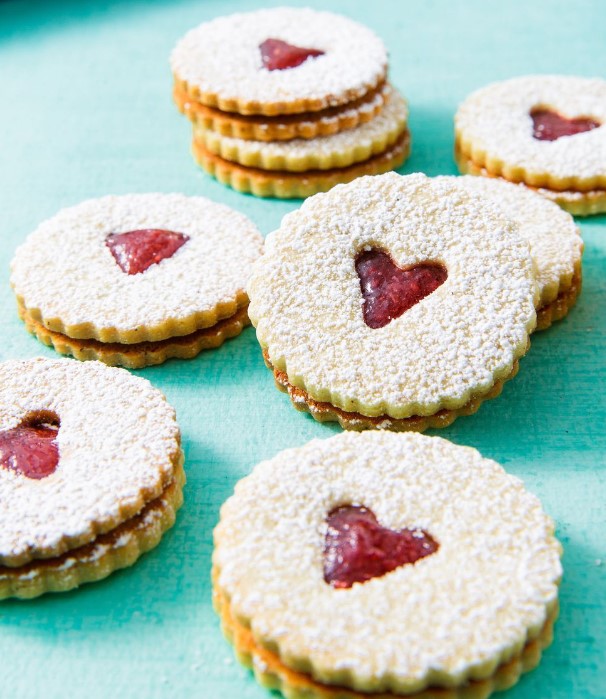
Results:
[494, 127]
[222, 57]
[554, 238]
[66, 271]
[453, 615]
[337, 150]
[118, 442]
[306, 300]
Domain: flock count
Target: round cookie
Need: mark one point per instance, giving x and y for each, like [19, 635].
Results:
[298, 185]
[84, 493]
[554, 238]
[545, 131]
[285, 127]
[455, 614]
[353, 256]
[136, 279]
[339, 150]
[227, 62]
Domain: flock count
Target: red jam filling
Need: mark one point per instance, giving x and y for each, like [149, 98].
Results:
[357, 548]
[549, 126]
[389, 291]
[136, 251]
[279, 55]
[31, 449]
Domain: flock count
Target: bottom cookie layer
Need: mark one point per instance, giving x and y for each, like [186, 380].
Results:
[297, 185]
[559, 307]
[109, 552]
[326, 412]
[271, 673]
[140, 354]
[575, 202]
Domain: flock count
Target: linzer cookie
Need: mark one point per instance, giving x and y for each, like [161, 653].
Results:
[134, 280]
[394, 302]
[555, 242]
[288, 185]
[323, 153]
[91, 472]
[382, 565]
[288, 102]
[288, 126]
[279, 61]
[545, 131]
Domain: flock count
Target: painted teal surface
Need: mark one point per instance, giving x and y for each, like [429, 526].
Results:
[85, 110]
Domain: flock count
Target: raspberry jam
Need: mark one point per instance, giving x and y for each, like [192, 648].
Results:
[279, 55]
[31, 449]
[136, 251]
[389, 291]
[549, 126]
[357, 548]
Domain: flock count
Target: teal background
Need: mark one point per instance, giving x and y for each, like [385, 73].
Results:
[85, 110]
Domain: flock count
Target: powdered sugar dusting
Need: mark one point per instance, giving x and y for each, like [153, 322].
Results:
[66, 270]
[336, 150]
[118, 440]
[554, 238]
[474, 601]
[306, 300]
[494, 127]
[222, 57]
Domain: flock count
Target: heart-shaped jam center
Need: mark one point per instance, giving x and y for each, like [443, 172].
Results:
[279, 55]
[389, 291]
[549, 126]
[31, 448]
[357, 548]
[136, 251]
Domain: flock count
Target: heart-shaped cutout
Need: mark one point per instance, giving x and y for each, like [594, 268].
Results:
[280, 55]
[549, 126]
[389, 291]
[357, 548]
[136, 251]
[31, 448]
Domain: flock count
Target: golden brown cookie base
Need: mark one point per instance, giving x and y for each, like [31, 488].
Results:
[285, 127]
[577, 203]
[557, 309]
[297, 185]
[516, 173]
[326, 412]
[318, 159]
[118, 548]
[240, 106]
[271, 673]
[140, 354]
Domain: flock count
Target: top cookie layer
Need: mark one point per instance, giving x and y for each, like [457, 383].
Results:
[555, 242]
[494, 128]
[219, 62]
[118, 443]
[306, 300]
[453, 615]
[67, 278]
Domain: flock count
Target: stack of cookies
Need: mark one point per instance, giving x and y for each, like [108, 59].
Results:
[289, 102]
